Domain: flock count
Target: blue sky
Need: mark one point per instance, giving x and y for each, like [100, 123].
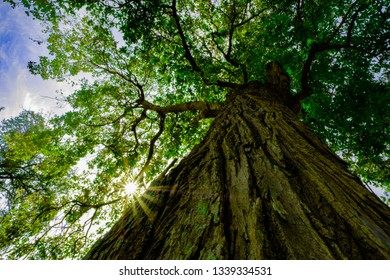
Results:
[19, 89]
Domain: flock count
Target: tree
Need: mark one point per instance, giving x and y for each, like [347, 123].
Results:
[42, 197]
[256, 183]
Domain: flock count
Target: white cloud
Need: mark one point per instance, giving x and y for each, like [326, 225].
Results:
[19, 89]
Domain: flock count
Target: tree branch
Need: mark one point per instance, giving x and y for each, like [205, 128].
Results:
[132, 81]
[188, 55]
[187, 50]
[204, 107]
[134, 128]
[95, 206]
[337, 29]
[151, 148]
[352, 23]
[227, 55]
[183, 107]
[299, 11]
[204, 115]
[250, 18]
[121, 116]
[326, 46]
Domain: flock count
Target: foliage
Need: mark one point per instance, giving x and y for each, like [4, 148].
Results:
[159, 70]
[42, 196]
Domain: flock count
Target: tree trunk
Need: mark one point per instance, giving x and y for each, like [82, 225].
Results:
[260, 186]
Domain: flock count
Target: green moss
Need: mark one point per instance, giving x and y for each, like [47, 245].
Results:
[203, 208]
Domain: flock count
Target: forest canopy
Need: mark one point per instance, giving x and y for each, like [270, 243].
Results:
[154, 75]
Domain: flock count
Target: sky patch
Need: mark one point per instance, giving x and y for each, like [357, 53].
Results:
[19, 89]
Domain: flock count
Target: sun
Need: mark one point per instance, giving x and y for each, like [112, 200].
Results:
[131, 188]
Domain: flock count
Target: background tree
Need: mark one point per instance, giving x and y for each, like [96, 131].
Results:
[151, 99]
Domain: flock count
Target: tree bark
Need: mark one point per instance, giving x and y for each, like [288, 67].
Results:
[261, 185]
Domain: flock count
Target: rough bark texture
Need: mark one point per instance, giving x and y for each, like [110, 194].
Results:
[260, 186]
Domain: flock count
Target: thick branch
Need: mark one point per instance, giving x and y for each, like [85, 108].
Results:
[306, 70]
[326, 46]
[230, 45]
[187, 50]
[204, 115]
[315, 48]
[183, 107]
